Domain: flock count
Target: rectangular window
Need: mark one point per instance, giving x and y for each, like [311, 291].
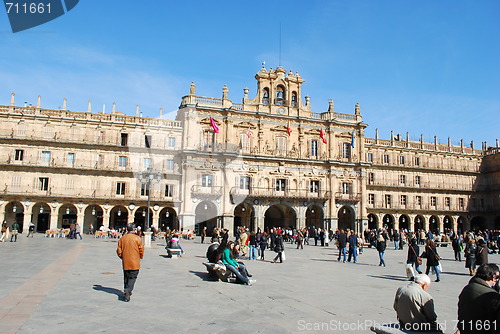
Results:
[388, 201]
[120, 188]
[417, 161]
[43, 183]
[46, 157]
[369, 157]
[346, 150]
[71, 159]
[100, 159]
[417, 180]
[245, 143]
[169, 190]
[209, 139]
[170, 164]
[401, 160]
[461, 203]
[16, 181]
[473, 202]
[371, 178]
[386, 159]
[280, 184]
[70, 184]
[402, 200]
[245, 182]
[418, 200]
[371, 199]
[481, 202]
[433, 201]
[171, 142]
[402, 180]
[314, 148]
[346, 188]
[146, 163]
[100, 138]
[144, 189]
[124, 139]
[280, 145]
[122, 161]
[19, 155]
[147, 141]
[314, 186]
[447, 201]
[206, 180]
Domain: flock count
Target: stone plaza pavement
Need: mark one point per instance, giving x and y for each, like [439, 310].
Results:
[74, 286]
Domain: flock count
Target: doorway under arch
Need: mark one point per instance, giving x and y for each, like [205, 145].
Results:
[478, 223]
[279, 215]
[244, 216]
[418, 223]
[448, 223]
[404, 222]
[168, 219]
[205, 216]
[433, 224]
[346, 218]
[315, 216]
[388, 222]
[372, 221]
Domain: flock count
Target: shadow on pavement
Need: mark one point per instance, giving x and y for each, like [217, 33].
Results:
[458, 274]
[112, 291]
[204, 276]
[390, 277]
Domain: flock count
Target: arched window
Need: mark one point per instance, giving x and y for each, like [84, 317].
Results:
[294, 99]
[280, 95]
[265, 96]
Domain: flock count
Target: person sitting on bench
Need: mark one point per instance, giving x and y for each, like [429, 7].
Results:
[235, 267]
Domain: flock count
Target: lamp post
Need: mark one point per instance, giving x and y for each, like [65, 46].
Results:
[147, 177]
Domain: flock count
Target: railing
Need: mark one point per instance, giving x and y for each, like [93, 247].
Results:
[347, 197]
[238, 193]
[121, 118]
[422, 185]
[415, 207]
[237, 106]
[206, 191]
[207, 100]
[425, 146]
[345, 117]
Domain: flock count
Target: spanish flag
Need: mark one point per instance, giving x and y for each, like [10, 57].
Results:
[214, 125]
[289, 130]
[322, 135]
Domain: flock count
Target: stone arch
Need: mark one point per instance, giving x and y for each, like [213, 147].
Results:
[347, 218]
[372, 221]
[280, 215]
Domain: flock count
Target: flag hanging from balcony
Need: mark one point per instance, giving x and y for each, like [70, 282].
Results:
[214, 125]
[288, 130]
[249, 133]
[352, 139]
[322, 135]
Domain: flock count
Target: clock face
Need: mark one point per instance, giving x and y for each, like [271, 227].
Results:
[131, 206]
[281, 111]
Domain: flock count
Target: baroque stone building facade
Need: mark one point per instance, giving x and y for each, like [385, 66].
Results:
[268, 161]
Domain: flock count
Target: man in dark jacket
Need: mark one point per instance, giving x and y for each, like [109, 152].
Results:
[353, 247]
[479, 302]
[342, 239]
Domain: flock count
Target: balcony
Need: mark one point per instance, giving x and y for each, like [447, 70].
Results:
[204, 191]
[238, 195]
[349, 197]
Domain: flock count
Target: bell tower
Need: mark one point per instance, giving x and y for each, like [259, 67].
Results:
[278, 92]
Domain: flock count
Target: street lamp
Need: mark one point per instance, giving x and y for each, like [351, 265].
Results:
[147, 177]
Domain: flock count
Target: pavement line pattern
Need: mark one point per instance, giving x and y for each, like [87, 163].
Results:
[18, 306]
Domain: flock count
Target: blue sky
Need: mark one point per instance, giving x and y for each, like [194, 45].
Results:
[423, 67]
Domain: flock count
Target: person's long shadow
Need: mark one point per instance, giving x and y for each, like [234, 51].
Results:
[389, 277]
[112, 291]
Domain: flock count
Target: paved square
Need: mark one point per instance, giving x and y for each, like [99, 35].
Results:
[73, 286]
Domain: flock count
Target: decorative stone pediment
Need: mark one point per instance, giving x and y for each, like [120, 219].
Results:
[345, 134]
[206, 121]
[314, 132]
[245, 125]
[279, 128]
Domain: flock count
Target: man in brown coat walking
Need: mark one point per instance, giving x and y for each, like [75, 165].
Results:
[131, 251]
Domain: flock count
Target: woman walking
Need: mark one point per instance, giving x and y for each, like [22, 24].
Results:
[412, 257]
[430, 253]
[381, 245]
[279, 247]
[470, 256]
[263, 245]
[481, 252]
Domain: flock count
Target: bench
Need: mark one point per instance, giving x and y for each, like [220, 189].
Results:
[219, 270]
[174, 252]
[442, 243]
[395, 329]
